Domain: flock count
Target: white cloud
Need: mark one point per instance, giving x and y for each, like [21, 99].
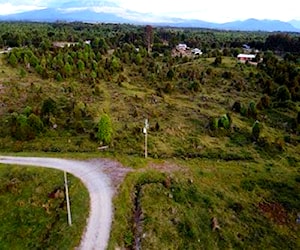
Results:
[217, 10]
[8, 8]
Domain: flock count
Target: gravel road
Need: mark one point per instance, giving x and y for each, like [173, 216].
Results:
[97, 231]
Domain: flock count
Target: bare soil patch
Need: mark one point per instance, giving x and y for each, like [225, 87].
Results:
[114, 170]
[274, 211]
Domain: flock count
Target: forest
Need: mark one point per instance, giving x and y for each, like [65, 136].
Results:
[76, 87]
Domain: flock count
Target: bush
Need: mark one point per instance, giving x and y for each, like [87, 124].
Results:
[243, 110]
[20, 128]
[227, 75]
[283, 94]
[264, 102]
[214, 124]
[27, 111]
[170, 74]
[252, 111]
[256, 131]
[218, 61]
[224, 122]
[104, 134]
[49, 107]
[35, 123]
[237, 106]
[209, 71]
[12, 59]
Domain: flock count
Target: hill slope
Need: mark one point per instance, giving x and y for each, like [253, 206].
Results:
[223, 136]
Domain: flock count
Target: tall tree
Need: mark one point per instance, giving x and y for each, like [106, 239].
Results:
[149, 37]
[104, 134]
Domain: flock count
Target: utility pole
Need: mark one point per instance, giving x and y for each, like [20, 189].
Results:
[146, 137]
[67, 198]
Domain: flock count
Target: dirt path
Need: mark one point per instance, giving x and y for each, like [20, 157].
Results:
[91, 173]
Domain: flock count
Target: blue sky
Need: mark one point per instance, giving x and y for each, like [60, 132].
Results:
[208, 10]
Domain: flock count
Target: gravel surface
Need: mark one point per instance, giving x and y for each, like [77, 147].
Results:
[98, 183]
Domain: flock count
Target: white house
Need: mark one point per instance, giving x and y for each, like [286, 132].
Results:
[245, 57]
[197, 51]
[181, 46]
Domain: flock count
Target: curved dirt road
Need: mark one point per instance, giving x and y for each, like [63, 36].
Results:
[97, 231]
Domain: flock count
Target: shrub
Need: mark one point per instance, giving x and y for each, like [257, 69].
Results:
[157, 126]
[214, 124]
[237, 106]
[104, 134]
[264, 102]
[243, 110]
[59, 77]
[252, 111]
[35, 123]
[224, 122]
[239, 85]
[229, 119]
[256, 131]
[168, 88]
[49, 107]
[170, 74]
[12, 59]
[283, 94]
[227, 75]
[218, 61]
[22, 73]
[209, 71]
[27, 111]
[20, 128]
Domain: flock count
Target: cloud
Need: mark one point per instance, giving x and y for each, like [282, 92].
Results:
[8, 8]
[216, 10]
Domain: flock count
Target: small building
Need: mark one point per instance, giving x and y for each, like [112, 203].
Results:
[64, 44]
[197, 51]
[245, 57]
[181, 46]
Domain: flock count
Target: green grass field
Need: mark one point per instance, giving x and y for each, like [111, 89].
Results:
[256, 206]
[33, 211]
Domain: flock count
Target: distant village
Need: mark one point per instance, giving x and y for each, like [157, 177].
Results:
[248, 55]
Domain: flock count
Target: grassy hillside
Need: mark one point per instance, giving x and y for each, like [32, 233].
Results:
[223, 143]
[180, 112]
[33, 211]
[174, 206]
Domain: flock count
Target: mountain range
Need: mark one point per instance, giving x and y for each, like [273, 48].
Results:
[107, 12]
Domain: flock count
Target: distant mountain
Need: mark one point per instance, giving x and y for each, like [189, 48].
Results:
[186, 23]
[53, 15]
[247, 25]
[106, 12]
[295, 23]
[263, 25]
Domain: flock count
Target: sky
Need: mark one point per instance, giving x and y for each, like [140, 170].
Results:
[209, 10]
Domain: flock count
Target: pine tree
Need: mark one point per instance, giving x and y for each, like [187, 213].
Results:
[104, 133]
